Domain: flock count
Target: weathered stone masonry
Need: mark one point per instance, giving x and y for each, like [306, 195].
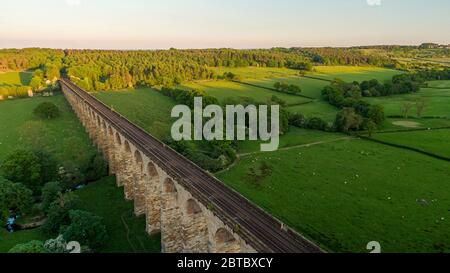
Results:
[185, 224]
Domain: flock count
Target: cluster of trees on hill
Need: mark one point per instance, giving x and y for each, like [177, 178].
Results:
[29, 59]
[356, 114]
[344, 56]
[423, 76]
[287, 88]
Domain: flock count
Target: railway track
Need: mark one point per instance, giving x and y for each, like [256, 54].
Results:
[260, 230]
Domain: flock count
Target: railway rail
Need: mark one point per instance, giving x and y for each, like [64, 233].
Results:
[259, 229]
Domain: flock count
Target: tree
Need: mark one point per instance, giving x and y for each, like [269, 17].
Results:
[420, 107]
[15, 197]
[47, 110]
[347, 119]
[50, 192]
[58, 213]
[406, 109]
[24, 167]
[36, 83]
[87, 229]
[370, 126]
[376, 114]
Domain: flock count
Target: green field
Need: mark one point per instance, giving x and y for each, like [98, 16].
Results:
[354, 73]
[223, 90]
[346, 194]
[145, 107]
[430, 141]
[439, 84]
[15, 78]
[252, 72]
[340, 192]
[320, 109]
[126, 232]
[437, 102]
[63, 137]
[295, 137]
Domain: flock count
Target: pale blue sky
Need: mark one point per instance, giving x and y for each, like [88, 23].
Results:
[121, 24]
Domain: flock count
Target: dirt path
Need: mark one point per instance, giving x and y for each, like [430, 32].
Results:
[239, 156]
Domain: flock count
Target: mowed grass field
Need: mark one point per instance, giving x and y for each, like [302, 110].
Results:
[145, 107]
[320, 109]
[433, 141]
[126, 232]
[15, 78]
[223, 90]
[437, 103]
[439, 84]
[354, 73]
[64, 137]
[345, 194]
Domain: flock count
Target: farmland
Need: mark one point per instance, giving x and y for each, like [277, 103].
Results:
[15, 78]
[223, 90]
[64, 137]
[352, 73]
[345, 194]
[341, 192]
[145, 107]
[428, 141]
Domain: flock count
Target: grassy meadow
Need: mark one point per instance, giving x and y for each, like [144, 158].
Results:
[437, 103]
[15, 78]
[223, 90]
[345, 194]
[145, 107]
[64, 137]
[340, 192]
[354, 73]
[429, 141]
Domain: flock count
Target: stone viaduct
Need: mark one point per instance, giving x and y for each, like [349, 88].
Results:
[194, 212]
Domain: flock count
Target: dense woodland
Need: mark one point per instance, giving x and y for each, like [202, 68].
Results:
[105, 70]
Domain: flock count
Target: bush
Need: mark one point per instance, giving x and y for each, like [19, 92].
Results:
[58, 213]
[33, 247]
[28, 168]
[87, 229]
[50, 192]
[14, 196]
[47, 110]
[96, 168]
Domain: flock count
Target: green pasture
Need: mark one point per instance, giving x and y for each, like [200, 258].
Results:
[345, 194]
[145, 107]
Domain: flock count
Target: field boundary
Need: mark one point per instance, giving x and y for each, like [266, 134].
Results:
[412, 130]
[273, 89]
[316, 78]
[406, 148]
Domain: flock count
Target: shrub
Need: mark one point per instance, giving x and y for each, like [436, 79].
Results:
[58, 213]
[50, 192]
[14, 196]
[33, 247]
[28, 168]
[87, 229]
[47, 110]
[96, 168]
